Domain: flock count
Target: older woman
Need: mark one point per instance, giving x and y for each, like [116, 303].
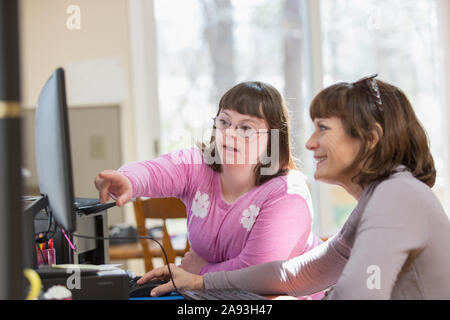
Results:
[395, 243]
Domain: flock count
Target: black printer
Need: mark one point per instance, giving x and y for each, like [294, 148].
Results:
[89, 286]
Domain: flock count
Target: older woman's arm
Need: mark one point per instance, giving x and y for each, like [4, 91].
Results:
[309, 273]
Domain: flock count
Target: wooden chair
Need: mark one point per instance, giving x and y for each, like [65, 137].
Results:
[158, 208]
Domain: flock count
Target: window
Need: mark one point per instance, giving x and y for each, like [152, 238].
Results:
[399, 40]
[207, 46]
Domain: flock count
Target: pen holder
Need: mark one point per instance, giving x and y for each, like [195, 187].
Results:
[46, 257]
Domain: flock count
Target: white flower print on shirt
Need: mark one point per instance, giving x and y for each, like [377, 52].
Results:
[200, 205]
[249, 216]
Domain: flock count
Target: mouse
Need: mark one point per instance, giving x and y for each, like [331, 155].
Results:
[143, 290]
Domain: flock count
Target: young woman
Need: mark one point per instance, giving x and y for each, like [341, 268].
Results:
[246, 202]
[395, 243]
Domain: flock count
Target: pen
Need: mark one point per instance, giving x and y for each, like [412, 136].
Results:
[50, 243]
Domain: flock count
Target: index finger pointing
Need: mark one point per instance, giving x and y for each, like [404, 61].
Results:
[107, 174]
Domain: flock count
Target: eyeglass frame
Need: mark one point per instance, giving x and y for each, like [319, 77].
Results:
[371, 83]
[237, 129]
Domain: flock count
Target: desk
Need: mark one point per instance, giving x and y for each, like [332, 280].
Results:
[171, 297]
[182, 298]
[179, 297]
[281, 298]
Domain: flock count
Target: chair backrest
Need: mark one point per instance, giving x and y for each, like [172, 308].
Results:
[158, 208]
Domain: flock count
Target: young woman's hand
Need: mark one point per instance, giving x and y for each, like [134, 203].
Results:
[192, 262]
[182, 279]
[113, 182]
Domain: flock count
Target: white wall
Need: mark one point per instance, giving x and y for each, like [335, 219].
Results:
[143, 52]
[96, 58]
[102, 41]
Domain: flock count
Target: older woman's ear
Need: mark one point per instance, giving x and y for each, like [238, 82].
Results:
[376, 133]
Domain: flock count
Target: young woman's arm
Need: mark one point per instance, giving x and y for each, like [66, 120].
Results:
[165, 176]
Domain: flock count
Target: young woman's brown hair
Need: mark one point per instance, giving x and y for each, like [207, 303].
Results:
[261, 100]
[388, 121]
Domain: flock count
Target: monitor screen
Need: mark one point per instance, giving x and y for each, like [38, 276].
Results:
[53, 156]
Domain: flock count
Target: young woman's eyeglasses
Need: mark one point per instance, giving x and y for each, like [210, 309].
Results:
[371, 83]
[243, 130]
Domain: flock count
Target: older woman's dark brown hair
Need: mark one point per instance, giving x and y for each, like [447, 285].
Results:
[381, 117]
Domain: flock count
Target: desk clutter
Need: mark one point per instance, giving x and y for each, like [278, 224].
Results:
[94, 282]
[109, 282]
[84, 282]
[45, 251]
[89, 275]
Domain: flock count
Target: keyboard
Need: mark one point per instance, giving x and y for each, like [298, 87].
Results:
[81, 204]
[220, 294]
[91, 205]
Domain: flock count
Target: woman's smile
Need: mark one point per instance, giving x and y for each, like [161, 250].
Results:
[320, 160]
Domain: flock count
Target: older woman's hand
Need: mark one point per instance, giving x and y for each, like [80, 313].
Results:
[182, 279]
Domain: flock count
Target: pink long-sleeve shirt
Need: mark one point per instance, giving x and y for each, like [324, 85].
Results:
[272, 221]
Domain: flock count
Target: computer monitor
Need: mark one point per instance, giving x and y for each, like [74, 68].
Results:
[54, 171]
[52, 149]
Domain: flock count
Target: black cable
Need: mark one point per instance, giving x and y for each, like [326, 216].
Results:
[54, 224]
[44, 239]
[45, 234]
[49, 217]
[133, 238]
[50, 222]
